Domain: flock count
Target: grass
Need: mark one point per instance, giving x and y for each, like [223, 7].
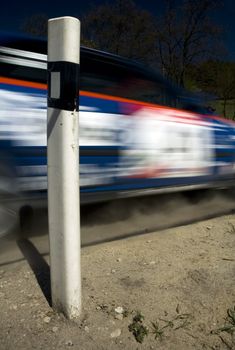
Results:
[179, 321]
[158, 328]
[157, 331]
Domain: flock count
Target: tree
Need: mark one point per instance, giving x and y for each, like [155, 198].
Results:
[226, 84]
[185, 35]
[121, 28]
[218, 78]
[181, 38]
[36, 25]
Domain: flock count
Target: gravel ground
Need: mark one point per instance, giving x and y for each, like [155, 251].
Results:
[170, 289]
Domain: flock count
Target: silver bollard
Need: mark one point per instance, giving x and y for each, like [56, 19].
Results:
[63, 164]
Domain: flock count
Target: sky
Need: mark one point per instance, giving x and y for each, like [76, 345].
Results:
[14, 13]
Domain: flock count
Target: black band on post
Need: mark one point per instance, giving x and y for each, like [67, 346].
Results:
[65, 75]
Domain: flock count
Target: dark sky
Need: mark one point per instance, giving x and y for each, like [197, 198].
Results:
[14, 13]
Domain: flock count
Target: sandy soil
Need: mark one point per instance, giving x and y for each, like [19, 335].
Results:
[181, 280]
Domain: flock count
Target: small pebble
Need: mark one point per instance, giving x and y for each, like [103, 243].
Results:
[55, 329]
[47, 319]
[119, 317]
[86, 329]
[119, 310]
[116, 333]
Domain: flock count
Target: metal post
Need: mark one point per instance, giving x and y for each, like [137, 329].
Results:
[63, 164]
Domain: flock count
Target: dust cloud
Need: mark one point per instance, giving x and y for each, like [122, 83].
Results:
[121, 219]
[126, 217]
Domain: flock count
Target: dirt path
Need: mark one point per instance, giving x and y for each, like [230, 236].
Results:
[182, 281]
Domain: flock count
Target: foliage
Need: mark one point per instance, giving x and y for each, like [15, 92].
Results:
[217, 78]
[36, 25]
[182, 42]
[186, 35]
[137, 328]
[159, 327]
[121, 28]
[157, 330]
[179, 321]
[183, 35]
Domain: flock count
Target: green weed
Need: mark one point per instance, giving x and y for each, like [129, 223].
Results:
[137, 328]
